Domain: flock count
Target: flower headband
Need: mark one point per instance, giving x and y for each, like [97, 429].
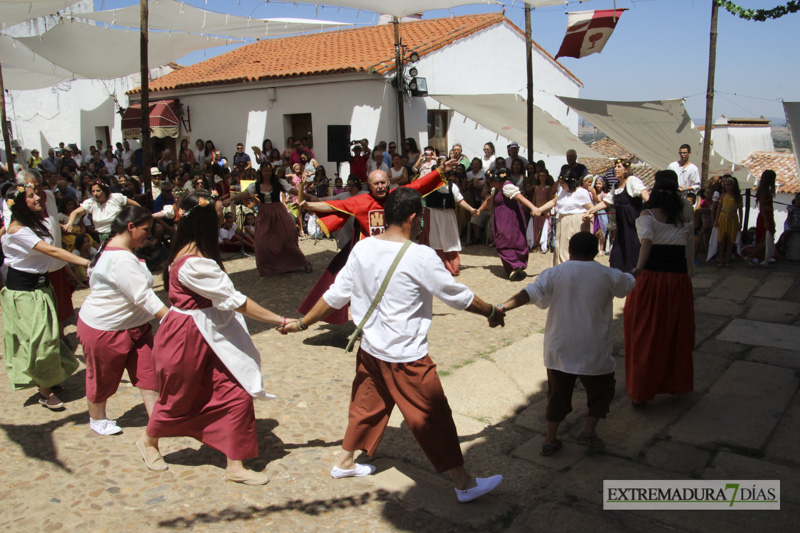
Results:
[201, 202]
[625, 162]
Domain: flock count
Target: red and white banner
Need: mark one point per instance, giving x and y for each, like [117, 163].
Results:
[588, 31]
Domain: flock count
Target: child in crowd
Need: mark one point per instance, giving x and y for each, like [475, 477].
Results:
[338, 187]
[577, 339]
[83, 248]
[249, 232]
[229, 239]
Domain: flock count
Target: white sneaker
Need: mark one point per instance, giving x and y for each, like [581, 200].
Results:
[104, 426]
[484, 486]
[358, 471]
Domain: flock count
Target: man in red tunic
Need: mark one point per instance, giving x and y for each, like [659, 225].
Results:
[368, 212]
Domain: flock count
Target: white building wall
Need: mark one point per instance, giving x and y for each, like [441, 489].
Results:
[491, 61]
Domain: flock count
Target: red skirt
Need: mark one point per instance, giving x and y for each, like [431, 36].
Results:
[659, 335]
[63, 292]
[198, 396]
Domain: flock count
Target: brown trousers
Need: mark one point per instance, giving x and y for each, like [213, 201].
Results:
[418, 393]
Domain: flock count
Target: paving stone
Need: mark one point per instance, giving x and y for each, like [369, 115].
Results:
[761, 334]
[773, 311]
[523, 362]
[569, 454]
[532, 417]
[579, 517]
[731, 350]
[419, 490]
[707, 369]
[783, 445]
[736, 288]
[775, 287]
[738, 410]
[704, 282]
[707, 326]
[775, 356]
[677, 457]
[484, 392]
[729, 465]
[718, 306]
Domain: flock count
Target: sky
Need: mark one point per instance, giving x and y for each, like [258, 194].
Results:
[659, 49]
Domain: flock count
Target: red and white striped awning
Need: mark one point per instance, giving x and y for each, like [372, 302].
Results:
[164, 121]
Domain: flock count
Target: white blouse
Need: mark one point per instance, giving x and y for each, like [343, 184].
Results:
[20, 255]
[457, 196]
[206, 278]
[122, 294]
[648, 227]
[104, 214]
[509, 190]
[633, 185]
[572, 203]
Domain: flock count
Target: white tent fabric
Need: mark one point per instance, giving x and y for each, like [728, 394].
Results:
[653, 130]
[177, 16]
[25, 69]
[506, 115]
[16, 11]
[105, 53]
[397, 8]
[792, 111]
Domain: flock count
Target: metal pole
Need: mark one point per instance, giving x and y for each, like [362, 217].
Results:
[712, 63]
[529, 61]
[398, 62]
[6, 136]
[145, 103]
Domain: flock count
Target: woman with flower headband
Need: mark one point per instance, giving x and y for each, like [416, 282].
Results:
[626, 199]
[277, 248]
[572, 202]
[207, 366]
[103, 206]
[35, 355]
[114, 321]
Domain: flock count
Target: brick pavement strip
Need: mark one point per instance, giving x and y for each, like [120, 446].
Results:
[57, 475]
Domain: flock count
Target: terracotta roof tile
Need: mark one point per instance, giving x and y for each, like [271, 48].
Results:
[784, 165]
[608, 146]
[369, 49]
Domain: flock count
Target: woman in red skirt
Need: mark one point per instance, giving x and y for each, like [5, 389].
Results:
[208, 368]
[659, 313]
[114, 321]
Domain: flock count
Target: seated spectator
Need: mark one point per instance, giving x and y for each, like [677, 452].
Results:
[249, 232]
[83, 248]
[229, 239]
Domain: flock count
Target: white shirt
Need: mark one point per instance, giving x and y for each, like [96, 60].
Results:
[104, 214]
[372, 165]
[206, 278]
[397, 331]
[579, 294]
[20, 255]
[572, 203]
[633, 185]
[50, 222]
[127, 156]
[688, 176]
[122, 294]
[480, 175]
[488, 162]
[226, 233]
[457, 196]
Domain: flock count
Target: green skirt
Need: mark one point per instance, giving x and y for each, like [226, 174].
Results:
[32, 348]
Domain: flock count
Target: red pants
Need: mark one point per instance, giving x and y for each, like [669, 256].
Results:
[417, 391]
[451, 260]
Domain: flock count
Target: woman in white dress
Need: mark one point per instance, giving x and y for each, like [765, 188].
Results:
[103, 206]
[444, 236]
[114, 321]
[572, 202]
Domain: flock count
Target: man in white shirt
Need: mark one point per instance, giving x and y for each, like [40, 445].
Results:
[395, 368]
[577, 338]
[688, 174]
[376, 163]
[513, 153]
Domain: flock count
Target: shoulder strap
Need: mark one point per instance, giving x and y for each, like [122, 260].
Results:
[378, 296]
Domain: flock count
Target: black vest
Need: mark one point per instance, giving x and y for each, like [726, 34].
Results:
[441, 200]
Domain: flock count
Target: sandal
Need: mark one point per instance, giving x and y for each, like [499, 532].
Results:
[550, 449]
[591, 440]
[51, 402]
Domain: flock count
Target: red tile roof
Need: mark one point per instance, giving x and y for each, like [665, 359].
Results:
[369, 49]
[784, 165]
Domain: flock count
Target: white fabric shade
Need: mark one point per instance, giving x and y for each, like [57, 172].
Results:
[792, 111]
[16, 11]
[398, 8]
[24, 69]
[653, 130]
[506, 115]
[177, 16]
[105, 53]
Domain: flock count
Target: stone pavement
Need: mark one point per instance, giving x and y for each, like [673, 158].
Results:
[741, 422]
